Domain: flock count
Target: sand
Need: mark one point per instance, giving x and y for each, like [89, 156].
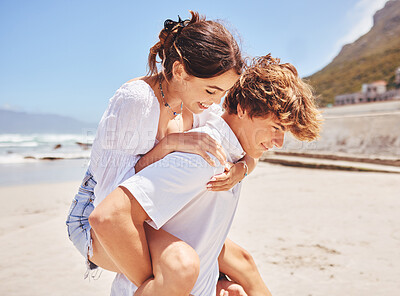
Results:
[311, 232]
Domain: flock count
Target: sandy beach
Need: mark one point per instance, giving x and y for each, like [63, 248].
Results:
[311, 232]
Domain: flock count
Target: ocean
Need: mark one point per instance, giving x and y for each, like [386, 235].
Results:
[28, 148]
[43, 158]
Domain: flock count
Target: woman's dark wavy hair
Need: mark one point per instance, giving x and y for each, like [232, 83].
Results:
[205, 48]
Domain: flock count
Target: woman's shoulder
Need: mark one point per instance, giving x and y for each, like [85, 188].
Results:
[138, 87]
[133, 107]
[135, 92]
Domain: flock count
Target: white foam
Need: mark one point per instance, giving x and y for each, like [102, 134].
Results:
[15, 147]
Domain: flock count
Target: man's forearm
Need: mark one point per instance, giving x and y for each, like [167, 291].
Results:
[238, 264]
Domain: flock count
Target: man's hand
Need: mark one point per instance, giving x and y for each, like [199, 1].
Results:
[229, 288]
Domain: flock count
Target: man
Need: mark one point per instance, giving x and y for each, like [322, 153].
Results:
[268, 100]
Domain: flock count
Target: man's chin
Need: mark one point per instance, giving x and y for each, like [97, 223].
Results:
[255, 153]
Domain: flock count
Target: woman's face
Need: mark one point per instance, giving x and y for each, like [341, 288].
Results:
[197, 94]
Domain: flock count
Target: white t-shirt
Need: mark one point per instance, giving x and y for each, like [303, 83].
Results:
[126, 131]
[173, 193]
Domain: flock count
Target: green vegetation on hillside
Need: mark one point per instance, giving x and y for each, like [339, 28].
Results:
[374, 56]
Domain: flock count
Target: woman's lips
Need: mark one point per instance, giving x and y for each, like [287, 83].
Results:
[203, 106]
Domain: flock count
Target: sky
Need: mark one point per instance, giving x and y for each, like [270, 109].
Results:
[68, 57]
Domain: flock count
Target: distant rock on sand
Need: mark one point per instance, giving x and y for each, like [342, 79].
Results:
[84, 146]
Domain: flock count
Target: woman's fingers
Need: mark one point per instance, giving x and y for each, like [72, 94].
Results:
[201, 144]
[206, 157]
[215, 149]
[223, 181]
[219, 182]
[220, 177]
[219, 188]
[228, 166]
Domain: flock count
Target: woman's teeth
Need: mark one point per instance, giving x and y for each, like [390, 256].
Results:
[204, 105]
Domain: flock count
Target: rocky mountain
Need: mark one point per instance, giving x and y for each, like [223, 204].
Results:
[374, 56]
[24, 123]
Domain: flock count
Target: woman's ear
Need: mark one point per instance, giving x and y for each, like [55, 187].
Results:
[178, 71]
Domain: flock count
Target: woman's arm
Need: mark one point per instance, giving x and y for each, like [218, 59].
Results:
[191, 142]
[234, 173]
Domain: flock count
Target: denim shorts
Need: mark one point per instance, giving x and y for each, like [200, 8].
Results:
[78, 218]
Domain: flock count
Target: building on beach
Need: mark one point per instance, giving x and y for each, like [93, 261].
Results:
[371, 92]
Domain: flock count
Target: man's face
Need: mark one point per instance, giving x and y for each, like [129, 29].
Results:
[258, 135]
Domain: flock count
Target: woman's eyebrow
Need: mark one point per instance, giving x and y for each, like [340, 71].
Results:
[216, 87]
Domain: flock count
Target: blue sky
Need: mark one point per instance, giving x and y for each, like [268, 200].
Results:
[69, 57]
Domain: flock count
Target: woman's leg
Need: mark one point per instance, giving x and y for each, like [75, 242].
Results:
[119, 233]
[176, 265]
[239, 265]
[100, 256]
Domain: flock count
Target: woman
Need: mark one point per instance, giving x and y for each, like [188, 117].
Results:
[143, 123]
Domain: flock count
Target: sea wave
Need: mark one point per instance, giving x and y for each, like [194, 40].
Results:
[21, 148]
[18, 144]
[13, 139]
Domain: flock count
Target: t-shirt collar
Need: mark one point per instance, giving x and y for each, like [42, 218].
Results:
[230, 141]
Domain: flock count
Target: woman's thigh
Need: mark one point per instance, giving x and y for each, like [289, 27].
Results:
[100, 257]
[167, 253]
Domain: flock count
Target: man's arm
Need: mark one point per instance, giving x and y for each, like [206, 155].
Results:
[118, 224]
[239, 265]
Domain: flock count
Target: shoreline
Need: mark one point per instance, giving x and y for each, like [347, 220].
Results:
[42, 172]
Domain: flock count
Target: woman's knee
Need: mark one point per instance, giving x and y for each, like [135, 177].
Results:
[180, 265]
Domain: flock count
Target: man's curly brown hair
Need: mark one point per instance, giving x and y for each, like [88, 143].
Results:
[268, 87]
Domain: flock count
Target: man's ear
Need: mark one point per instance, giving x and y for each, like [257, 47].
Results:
[240, 112]
[178, 71]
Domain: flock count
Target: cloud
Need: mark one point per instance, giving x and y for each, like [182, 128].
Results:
[363, 13]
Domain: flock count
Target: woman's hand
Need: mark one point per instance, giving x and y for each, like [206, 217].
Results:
[233, 174]
[197, 143]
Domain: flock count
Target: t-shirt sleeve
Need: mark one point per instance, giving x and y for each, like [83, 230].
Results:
[165, 187]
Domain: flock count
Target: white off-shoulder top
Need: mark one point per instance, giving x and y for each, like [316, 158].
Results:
[126, 131]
